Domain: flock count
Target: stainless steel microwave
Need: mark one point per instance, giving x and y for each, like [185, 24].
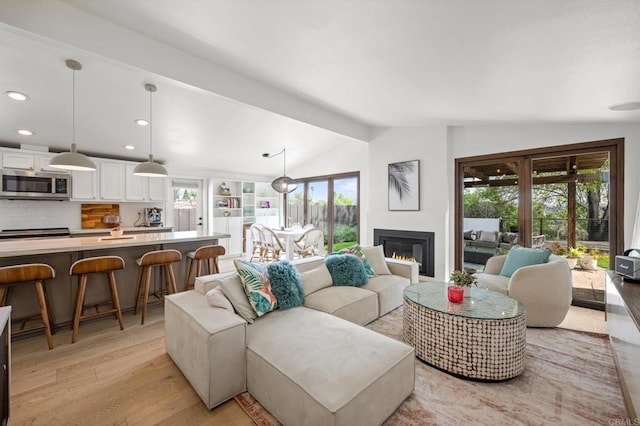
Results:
[27, 185]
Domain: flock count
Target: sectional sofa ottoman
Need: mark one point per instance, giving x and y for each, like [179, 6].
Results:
[312, 364]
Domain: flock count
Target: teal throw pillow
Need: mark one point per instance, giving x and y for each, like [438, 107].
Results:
[347, 270]
[286, 284]
[519, 257]
[255, 281]
[356, 250]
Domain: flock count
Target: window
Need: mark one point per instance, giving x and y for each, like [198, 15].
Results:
[331, 203]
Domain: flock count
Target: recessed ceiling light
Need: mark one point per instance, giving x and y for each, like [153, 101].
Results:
[129, 147]
[142, 122]
[17, 96]
[627, 106]
[25, 132]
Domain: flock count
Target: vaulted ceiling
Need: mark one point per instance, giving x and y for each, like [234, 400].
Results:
[307, 75]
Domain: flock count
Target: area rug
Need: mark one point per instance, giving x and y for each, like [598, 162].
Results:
[569, 379]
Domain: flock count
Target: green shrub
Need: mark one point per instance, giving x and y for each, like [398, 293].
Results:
[344, 233]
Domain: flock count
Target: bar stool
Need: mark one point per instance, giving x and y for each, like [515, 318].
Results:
[34, 273]
[94, 265]
[163, 258]
[208, 254]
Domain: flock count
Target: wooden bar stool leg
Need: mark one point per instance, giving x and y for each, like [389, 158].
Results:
[114, 297]
[44, 312]
[82, 287]
[187, 284]
[172, 279]
[140, 290]
[52, 326]
[199, 269]
[4, 293]
[147, 282]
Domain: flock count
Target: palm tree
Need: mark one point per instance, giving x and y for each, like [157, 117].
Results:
[398, 182]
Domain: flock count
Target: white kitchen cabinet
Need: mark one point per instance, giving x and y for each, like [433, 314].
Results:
[135, 186]
[17, 160]
[140, 188]
[156, 189]
[111, 180]
[233, 227]
[112, 186]
[42, 164]
[84, 185]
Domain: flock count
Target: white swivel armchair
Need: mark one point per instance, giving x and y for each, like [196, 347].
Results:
[545, 290]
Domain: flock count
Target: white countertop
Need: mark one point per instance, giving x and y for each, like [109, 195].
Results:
[26, 247]
[135, 229]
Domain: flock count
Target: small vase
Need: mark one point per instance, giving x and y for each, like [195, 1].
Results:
[455, 294]
[467, 291]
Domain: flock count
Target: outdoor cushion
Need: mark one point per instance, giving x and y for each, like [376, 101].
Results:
[488, 236]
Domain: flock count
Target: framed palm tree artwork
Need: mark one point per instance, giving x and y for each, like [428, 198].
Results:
[404, 186]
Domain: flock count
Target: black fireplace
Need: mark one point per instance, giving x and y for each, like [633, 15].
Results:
[413, 245]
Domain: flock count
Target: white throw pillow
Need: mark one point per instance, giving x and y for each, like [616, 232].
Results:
[217, 299]
[316, 279]
[231, 286]
[375, 257]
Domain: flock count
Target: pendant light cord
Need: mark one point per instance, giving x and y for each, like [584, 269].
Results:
[73, 106]
[150, 124]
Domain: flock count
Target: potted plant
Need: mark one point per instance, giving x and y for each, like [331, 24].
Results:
[463, 280]
[589, 260]
[573, 255]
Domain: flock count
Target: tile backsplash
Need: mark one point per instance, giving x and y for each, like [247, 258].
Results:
[23, 214]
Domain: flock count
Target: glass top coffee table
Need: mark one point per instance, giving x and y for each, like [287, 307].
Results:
[482, 339]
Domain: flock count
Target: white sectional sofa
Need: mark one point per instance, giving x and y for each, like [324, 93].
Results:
[312, 364]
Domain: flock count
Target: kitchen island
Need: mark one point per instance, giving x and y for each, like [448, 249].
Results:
[60, 253]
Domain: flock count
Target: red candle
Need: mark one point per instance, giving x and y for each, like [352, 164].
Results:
[455, 294]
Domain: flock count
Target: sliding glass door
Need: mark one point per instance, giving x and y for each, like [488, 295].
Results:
[330, 203]
[566, 198]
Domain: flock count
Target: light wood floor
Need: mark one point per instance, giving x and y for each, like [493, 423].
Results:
[108, 377]
[125, 377]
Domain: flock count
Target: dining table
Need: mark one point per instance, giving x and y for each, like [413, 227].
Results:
[288, 237]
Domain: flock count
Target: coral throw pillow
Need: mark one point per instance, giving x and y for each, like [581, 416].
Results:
[255, 280]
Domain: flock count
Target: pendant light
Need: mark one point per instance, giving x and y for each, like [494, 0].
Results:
[284, 183]
[73, 160]
[150, 168]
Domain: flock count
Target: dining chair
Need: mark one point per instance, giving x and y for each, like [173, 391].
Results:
[273, 246]
[308, 226]
[257, 242]
[308, 243]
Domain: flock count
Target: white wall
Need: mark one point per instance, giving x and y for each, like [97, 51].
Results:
[353, 156]
[429, 145]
